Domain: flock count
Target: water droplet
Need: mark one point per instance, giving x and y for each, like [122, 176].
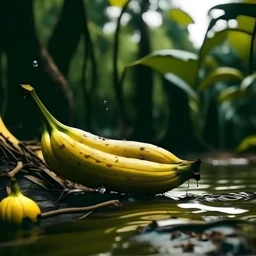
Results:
[106, 109]
[35, 63]
[105, 102]
[124, 139]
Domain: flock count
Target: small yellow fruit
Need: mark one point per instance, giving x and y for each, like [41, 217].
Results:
[16, 208]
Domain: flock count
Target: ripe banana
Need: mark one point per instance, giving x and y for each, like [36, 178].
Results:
[131, 149]
[16, 207]
[15, 142]
[7, 134]
[93, 167]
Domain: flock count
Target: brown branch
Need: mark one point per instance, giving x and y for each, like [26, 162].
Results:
[18, 167]
[80, 209]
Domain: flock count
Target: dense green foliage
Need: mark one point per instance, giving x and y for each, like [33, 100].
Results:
[151, 84]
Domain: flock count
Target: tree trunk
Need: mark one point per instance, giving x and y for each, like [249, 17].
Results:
[179, 138]
[23, 48]
[143, 130]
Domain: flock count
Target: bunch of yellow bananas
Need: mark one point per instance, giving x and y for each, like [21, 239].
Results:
[123, 166]
[16, 207]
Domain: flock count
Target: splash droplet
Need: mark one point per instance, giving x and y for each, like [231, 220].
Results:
[35, 63]
[105, 102]
[106, 109]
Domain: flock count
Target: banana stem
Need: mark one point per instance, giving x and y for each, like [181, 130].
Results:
[80, 209]
[53, 122]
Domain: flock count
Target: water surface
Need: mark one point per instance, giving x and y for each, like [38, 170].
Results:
[222, 192]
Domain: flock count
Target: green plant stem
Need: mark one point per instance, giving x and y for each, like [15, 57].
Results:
[251, 49]
[117, 85]
[88, 52]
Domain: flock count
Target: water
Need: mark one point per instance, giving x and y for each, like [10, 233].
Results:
[223, 192]
[35, 63]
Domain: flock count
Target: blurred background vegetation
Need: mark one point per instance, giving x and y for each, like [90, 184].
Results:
[158, 71]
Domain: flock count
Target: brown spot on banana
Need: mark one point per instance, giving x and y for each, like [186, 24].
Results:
[62, 146]
[142, 149]
[87, 156]
[109, 165]
[97, 161]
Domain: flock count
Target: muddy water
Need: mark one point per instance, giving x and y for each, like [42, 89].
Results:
[223, 192]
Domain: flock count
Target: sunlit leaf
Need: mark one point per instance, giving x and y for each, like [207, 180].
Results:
[219, 74]
[232, 10]
[240, 41]
[245, 23]
[246, 143]
[235, 38]
[212, 42]
[119, 3]
[180, 63]
[247, 82]
[231, 93]
[180, 17]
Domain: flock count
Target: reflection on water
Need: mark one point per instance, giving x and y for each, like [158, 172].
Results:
[222, 192]
[205, 208]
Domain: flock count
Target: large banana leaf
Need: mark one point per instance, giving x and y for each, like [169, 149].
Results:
[219, 74]
[232, 11]
[180, 17]
[179, 82]
[219, 37]
[180, 63]
[245, 23]
[193, 99]
[240, 41]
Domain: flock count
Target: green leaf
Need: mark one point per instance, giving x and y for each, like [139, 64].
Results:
[245, 23]
[232, 11]
[210, 43]
[246, 143]
[240, 41]
[219, 74]
[231, 93]
[234, 93]
[180, 63]
[182, 85]
[180, 17]
[247, 82]
[219, 37]
[193, 100]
